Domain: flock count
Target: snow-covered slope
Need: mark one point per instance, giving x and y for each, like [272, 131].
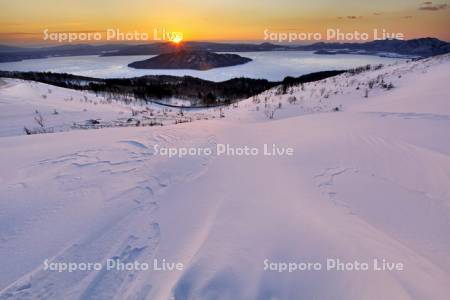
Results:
[369, 181]
[361, 89]
[22, 102]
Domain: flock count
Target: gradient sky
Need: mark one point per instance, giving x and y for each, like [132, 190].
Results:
[23, 21]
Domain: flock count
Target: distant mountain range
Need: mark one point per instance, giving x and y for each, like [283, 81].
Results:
[423, 47]
[10, 53]
[160, 48]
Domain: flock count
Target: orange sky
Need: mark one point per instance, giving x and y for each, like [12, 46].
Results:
[23, 22]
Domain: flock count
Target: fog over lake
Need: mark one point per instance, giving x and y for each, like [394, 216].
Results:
[273, 65]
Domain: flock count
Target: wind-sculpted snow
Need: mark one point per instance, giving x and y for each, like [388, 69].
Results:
[366, 181]
[109, 187]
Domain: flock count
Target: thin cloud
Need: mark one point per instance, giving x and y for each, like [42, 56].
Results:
[6, 34]
[79, 31]
[429, 6]
[22, 34]
[350, 17]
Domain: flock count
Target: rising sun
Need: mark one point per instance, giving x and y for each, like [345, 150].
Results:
[177, 38]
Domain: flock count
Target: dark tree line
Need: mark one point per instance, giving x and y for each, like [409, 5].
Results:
[160, 87]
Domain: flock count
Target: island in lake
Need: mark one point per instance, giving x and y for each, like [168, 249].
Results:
[196, 60]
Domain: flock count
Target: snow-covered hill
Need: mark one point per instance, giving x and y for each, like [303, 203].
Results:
[22, 102]
[358, 90]
[368, 180]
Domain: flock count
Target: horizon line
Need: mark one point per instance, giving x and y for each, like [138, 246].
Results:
[245, 41]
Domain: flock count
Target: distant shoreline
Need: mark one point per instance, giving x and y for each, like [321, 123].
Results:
[423, 47]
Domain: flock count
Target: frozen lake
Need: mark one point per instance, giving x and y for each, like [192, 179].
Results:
[267, 65]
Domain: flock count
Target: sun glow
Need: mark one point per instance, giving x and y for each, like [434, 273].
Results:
[177, 37]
